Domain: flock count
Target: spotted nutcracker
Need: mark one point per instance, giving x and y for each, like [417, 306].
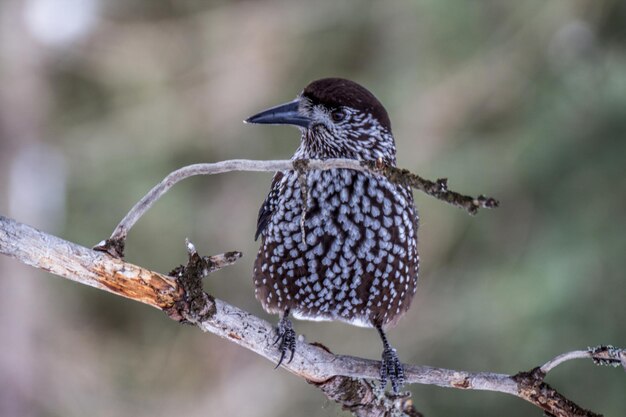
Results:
[355, 257]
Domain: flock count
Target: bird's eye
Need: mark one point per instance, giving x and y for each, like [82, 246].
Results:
[338, 115]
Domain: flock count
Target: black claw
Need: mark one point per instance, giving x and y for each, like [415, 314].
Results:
[287, 338]
[279, 336]
[282, 356]
[293, 351]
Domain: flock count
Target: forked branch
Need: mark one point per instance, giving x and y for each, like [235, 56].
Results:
[114, 245]
[346, 380]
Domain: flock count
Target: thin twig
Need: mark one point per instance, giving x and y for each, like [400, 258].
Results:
[601, 355]
[344, 379]
[553, 363]
[438, 189]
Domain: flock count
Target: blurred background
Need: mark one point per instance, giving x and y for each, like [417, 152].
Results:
[524, 101]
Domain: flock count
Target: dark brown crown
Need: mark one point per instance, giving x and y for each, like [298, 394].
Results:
[338, 92]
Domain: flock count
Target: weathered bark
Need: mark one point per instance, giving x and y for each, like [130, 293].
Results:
[343, 379]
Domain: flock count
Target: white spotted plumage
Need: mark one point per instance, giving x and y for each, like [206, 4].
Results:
[358, 260]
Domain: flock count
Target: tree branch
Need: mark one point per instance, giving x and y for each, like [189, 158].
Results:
[114, 245]
[344, 379]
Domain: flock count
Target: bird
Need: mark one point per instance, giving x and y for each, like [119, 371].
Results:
[353, 258]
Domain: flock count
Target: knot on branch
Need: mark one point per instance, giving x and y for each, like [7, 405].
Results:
[485, 202]
[112, 246]
[364, 398]
[301, 165]
[194, 304]
[531, 387]
[534, 377]
[442, 185]
[608, 355]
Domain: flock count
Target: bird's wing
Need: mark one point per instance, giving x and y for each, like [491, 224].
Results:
[267, 208]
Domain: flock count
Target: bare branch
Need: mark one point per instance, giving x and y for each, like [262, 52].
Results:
[85, 266]
[344, 379]
[438, 189]
[553, 363]
[601, 355]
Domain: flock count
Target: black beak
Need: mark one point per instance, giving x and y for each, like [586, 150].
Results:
[284, 114]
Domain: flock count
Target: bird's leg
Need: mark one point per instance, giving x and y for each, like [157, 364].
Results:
[286, 336]
[390, 368]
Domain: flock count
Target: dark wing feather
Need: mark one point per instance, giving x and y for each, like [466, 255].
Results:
[267, 208]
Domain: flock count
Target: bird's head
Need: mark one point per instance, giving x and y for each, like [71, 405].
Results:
[338, 119]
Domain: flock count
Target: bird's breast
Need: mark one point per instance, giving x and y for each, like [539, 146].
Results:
[352, 258]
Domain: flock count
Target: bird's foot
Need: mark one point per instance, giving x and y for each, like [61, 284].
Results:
[391, 369]
[286, 339]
